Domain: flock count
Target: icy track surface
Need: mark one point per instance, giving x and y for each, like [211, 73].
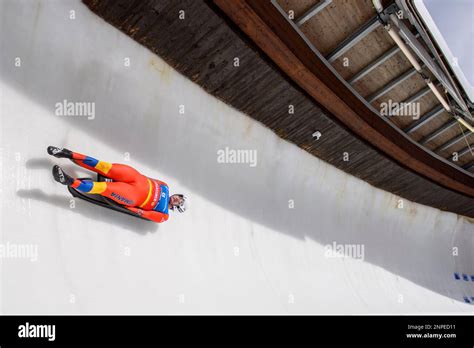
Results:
[240, 248]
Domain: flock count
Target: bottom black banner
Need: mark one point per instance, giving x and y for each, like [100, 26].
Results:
[289, 330]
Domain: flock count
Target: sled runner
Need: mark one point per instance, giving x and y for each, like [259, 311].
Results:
[101, 200]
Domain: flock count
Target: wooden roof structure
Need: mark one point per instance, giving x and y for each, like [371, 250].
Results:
[284, 64]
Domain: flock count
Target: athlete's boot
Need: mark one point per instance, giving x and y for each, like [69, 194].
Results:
[59, 152]
[61, 177]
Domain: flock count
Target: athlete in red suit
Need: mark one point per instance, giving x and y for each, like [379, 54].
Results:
[144, 196]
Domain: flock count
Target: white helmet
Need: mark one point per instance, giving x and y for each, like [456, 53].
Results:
[183, 205]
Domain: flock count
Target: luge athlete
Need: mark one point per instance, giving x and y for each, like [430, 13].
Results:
[138, 193]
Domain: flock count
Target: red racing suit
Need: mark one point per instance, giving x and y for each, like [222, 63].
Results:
[144, 196]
